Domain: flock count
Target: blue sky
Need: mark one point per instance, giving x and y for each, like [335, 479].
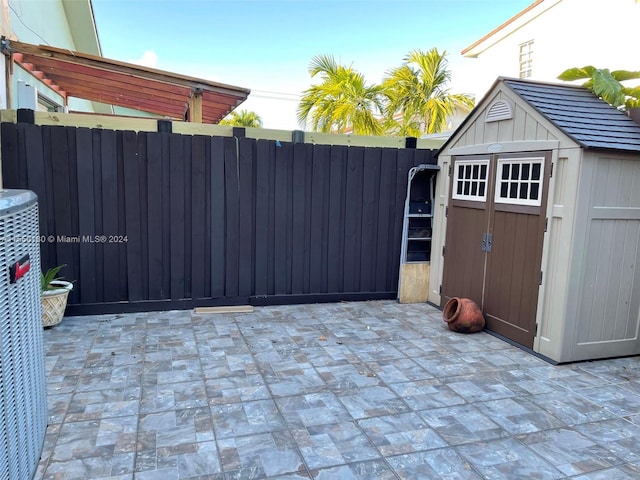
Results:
[267, 45]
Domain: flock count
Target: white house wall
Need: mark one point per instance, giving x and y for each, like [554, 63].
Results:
[604, 301]
[46, 22]
[571, 33]
[21, 75]
[42, 22]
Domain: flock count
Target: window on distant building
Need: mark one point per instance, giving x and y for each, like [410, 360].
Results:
[526, 59]
[46, 104]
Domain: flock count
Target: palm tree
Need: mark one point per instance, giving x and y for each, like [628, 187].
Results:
[342, 101]
[417, 93]
[243, 118]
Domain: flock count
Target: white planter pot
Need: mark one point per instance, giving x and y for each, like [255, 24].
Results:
[54, 302]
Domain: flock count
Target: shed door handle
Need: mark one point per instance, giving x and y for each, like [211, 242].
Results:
[487, 242]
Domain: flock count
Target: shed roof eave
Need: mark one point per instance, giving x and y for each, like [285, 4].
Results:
[621, 131]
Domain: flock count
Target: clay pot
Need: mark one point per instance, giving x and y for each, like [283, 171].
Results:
[463, 315]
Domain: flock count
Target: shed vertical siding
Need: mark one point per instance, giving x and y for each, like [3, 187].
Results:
[524, 126]
[554, 313]
[610, 293]
[610, 276]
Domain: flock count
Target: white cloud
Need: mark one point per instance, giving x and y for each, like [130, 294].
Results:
[149, 59]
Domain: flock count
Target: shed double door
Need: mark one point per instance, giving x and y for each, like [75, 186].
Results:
[495, 228]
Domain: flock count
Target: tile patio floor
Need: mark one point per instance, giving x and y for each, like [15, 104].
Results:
[367, 390]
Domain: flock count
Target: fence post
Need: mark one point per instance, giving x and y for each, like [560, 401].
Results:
[26, 115]
[165, 126]
[410, 142]
[297, 136]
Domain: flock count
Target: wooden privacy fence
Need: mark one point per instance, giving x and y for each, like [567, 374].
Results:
[148, 220]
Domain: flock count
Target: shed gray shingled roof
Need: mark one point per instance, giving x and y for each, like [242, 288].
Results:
[577, 112]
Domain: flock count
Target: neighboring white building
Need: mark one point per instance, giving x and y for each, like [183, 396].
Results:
[550, 36]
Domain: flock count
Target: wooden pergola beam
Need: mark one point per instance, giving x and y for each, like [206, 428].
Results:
[195, 107]
[118, 83]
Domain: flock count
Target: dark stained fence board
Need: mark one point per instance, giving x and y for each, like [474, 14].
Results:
[232, 210]
[166, 232]
[155, 218]
[298, 219]
[353, 219]
[369, 223]
[282, 257]
[176, 222]
[61, 200]
[287, 150]
[385, 214]
[110, 192]
[21, 167]
[207, 217]
[46, 208]
[246, 247]
[10, 155]
[96, 138]
[212, 220]
[37, 182]
[133, 220]
[86, 281]
[45, 200]
[308, 188]
[426, 156]
[141, 159]
[34, 162]
[217, 193]
[333, 275]
[120, 247]
[271, 241]
[198, 237]
[262, 230]
[318, 212]
[187, 178]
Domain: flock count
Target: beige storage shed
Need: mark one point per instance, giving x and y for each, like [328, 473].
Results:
[537, 219]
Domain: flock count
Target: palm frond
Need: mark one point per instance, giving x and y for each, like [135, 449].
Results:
[417, 91]
[342, 100]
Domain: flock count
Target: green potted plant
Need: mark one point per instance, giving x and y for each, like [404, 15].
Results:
[54, 292]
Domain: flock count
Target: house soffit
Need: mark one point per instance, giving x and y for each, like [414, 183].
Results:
[98, 79]
[82, 26]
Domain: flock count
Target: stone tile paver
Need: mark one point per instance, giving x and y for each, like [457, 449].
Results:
[353, 390]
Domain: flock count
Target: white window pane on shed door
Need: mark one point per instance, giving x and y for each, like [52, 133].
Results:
[518, 181]
[470, 180]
